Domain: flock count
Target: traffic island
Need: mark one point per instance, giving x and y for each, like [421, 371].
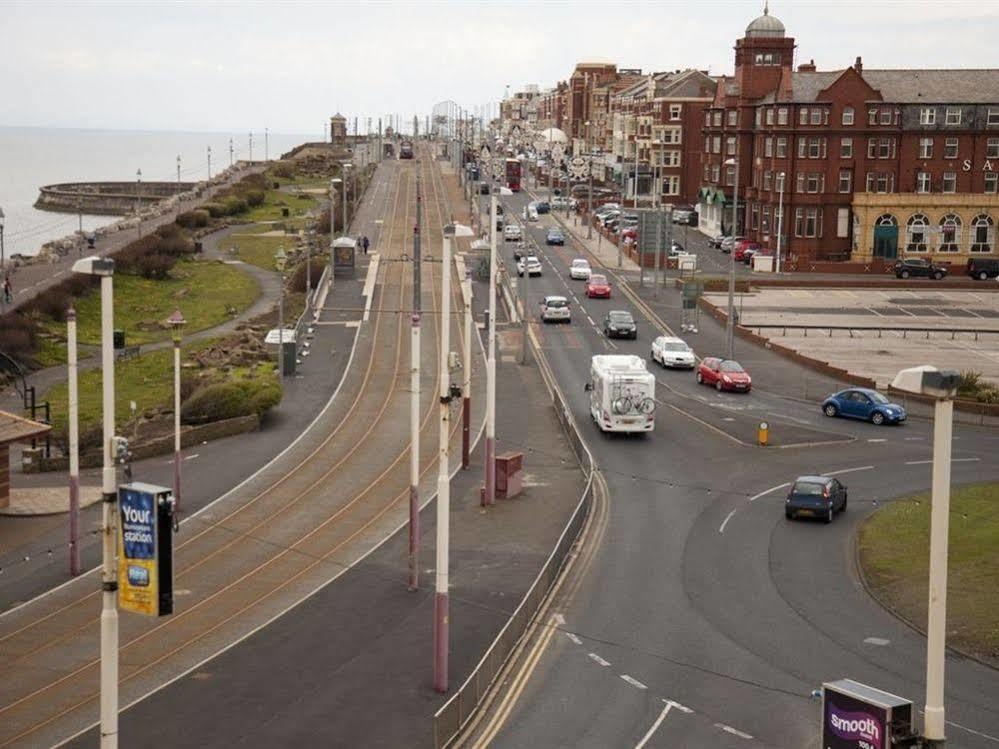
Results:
[893, 551]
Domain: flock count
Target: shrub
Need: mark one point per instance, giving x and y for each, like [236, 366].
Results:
[18, 334]
[191, 219]
[323, 222]
[155, 266]
[229, 400]
[233, 205]
[284, 170]
[53, 303]
[176, 246]
[298, 277]
[214, 210]
[265, 398]
[255, 197]
[969, 383]
[169, 231]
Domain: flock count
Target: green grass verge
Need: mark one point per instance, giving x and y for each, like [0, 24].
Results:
[201, 290]
[297, 205]
[894, 554]
[256, 250]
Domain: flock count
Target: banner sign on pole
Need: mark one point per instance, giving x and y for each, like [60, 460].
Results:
[145, 559]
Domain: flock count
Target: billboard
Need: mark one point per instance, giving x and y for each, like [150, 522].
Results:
[145, 549]
[855, 716]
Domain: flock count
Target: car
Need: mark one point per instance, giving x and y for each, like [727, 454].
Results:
[863, 403]
[717, 241]
[530, 265]
[598, 286]
[742, 247]
[530, 213]
[512, 233]
[919, 268]
[983, 268]
[555, 236]
[606, 208]
[729, 243]
[629, 219]
[724, 374]
[542, 206]
[815, 497]
[620, 324]
[685, 214]
[605, 218]
[562, 203]
[579, 269]
[672, 352]
[675, 249]
[484, 188]
[555, 309]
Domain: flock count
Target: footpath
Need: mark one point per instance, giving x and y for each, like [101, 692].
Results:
[34, 548]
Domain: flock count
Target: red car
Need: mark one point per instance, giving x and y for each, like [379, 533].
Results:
[598, 286]
[742, 247]
[724, 374]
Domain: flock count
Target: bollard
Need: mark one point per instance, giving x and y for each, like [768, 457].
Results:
[763, 434]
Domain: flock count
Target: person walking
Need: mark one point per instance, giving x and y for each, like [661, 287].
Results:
[8, 291]
[364, 243]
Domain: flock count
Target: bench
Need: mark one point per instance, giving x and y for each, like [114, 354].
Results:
[128, 352]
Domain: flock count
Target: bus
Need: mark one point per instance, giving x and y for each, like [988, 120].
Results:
[406, 149]
[513, 174]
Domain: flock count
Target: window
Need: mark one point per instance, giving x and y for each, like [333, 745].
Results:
[926, 148]
[782, 148]
[872, 148]
[671, 135]
[782, 116]
[807, 222]
[802, 147]
[730, 146]
[716, 144]
[950, 181]
[845, 181]
[992, 148]
[992, 182]
[803, 116]
[816, 116]
[754, 221]
[707, 144]
[707, 172]
[916, 231]
[770, 116]
[872, 117]
[733, 117]
[759, 117]
[816, 148]
[953, 116]
[950, 233]
[922, 181]
[670, 158]
[729, 175]
[886, 148]
[880, 181]
[767, 181]
[927, 116]
[846, 148]
[716, 117]
[715, 173]
[707, 118]
[847, 115]
[885, 117]
[950, 148]
[842, 223]
[755, 181]
[982, 233]
[815, 183]
[800, 182]
[993, 117]
[671, 185]
[675, 110]
[768, 147]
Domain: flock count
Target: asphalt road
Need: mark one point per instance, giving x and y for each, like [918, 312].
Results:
[706, 619]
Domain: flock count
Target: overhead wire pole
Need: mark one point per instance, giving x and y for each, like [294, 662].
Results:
[466, 388]
[490, 451]
[441, 599]
[109, 577]
[414, 408]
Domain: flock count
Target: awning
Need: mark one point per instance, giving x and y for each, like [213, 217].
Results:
[711, 195]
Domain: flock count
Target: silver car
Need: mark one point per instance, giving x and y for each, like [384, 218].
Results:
[555, 309]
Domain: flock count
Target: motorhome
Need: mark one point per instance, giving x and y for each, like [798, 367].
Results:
[622, 393]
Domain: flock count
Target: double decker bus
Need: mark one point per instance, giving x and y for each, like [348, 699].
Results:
[513, 174]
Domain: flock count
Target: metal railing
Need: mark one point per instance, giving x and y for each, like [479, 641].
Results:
[905, 330]
[454, 715]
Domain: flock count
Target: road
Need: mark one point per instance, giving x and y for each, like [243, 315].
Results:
[705, 618]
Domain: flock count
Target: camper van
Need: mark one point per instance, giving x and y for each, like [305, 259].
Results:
[622, 393]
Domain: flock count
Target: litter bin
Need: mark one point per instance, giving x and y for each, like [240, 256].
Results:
[285, 212]
[119, 339]
[288, 353]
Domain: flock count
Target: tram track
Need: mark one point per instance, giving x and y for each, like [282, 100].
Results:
[315, 543]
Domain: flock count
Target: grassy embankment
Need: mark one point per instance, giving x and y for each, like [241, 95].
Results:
[894, 554]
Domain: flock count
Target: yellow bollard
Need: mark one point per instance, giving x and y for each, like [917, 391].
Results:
[763, 434]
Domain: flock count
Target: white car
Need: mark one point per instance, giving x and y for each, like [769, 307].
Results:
[512, 233]
[580, 269]
[673, 352]
[530, 265]
[530, 213]
[555, 309]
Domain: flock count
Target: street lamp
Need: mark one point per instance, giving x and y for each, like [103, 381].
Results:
[490, 450]
[2, 261]
[138, 199]
[780, 215]
[333, 189]
[177, 323]
[104, 267]
[941, 385]
[730, 322]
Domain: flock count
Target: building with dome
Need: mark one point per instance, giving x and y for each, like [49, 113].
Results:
[852, 164]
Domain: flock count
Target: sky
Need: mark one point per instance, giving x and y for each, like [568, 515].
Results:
[230, 66]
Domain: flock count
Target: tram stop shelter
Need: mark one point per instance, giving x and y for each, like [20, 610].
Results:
[14, 429]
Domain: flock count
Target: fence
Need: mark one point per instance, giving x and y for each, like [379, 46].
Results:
[879, 329]
[456, 712]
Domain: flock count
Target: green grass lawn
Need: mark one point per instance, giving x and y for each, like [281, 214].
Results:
[275, 200]
[200, 289]
[894, 554]
[255, 249]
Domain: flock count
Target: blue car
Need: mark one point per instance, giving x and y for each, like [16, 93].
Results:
[863, 403]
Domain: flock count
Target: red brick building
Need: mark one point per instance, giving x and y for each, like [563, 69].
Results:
[862, 155]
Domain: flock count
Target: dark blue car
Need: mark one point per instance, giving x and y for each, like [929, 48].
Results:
[863, 403]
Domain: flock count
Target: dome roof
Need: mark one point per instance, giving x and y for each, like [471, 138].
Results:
[765, 26]
[554, 135]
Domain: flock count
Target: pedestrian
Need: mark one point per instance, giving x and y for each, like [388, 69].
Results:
[8, 291]
[364, 243]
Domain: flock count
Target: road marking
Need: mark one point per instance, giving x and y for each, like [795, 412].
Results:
[678, 706]
[192, 456]
[558, 619]
[914, 439]
[652, 729]
[598, 659]
[847, 470]
[771, 489]
[878, 440]
[721, 528]
[964, 460]
[590, 319]
[733, 731]
[917, 462]
[881, 641]
[633, 681]
[574, 638]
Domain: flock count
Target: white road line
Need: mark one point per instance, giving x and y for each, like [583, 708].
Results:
[914, 439]
[847, 470]
[733, 731]
[771, 489]
[590, 319]
[678, 706]
[598, 659]
[192, 456]
[964, 460]
[573, 637]
[721, 528]
[633, 681]
[878, 440]
[652, 729]
[917, 462]
[558, 619]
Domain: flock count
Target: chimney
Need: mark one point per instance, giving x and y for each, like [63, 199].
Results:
[859, 65]
[807, 67]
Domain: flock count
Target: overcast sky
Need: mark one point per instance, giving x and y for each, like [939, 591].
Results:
[288, 66]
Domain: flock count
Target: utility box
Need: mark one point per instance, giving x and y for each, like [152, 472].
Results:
[509, 475]
[119, 339]
[763, 263]
[856, 716]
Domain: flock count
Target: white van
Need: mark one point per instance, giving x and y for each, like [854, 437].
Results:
[622, 393]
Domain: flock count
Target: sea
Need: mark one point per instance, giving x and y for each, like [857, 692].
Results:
[32, 156]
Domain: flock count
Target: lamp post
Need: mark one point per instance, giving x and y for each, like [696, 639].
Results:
[333, 189]
[2, 258]
[346, 166]
[209, 163]
[178, 173]
[780, 216]
[730, 322]
[230, 152]
[177, 323]
[941, 385]
[414, 401]
[104, 267]
[74, 446]
[138, 199]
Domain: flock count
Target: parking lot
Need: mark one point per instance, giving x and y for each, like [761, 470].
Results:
[875, 333]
